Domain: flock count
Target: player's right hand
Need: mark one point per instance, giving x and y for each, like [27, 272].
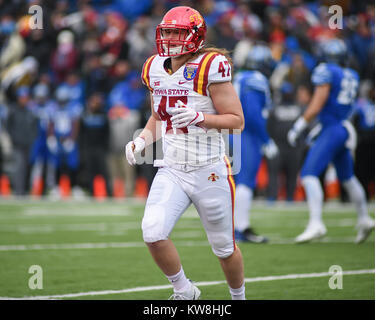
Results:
[296, 130]
[292, 137]
[134, 147]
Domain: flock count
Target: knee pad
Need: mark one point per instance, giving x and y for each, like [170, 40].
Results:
[218, 226]
[153, 224]
[354, 189]
[223, 248]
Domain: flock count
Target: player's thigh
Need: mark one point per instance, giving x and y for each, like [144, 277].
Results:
[213, 199]
[343, 163]
[165, 204]
[326, 146]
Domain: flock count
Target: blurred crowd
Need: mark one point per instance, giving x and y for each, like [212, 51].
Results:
[71, 95]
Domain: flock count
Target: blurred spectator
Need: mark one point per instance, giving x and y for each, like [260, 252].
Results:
[364, 121]
[5, 141]
[22, 128]
[39, 46]
[123, 123]
[12, 45]
[298, 72]
[131, 9]
[223, 34]
[95, 76]
[94, 140]
[64, 58]
[245, 21]
[112, 40]
[141, 42]
[18, 74]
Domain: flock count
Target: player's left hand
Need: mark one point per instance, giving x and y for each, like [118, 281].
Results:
[270, 149]
[185, 116]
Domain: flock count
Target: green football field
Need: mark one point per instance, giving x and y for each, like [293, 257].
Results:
[94, 250]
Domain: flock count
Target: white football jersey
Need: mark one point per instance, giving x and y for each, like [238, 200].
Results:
[191, 146]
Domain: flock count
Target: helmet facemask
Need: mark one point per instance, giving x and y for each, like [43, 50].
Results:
[187, 40]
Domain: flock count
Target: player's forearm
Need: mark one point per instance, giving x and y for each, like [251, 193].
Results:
[151, 132]
[223, 121]
[317, 103]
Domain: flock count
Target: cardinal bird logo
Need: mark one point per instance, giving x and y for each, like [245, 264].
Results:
[213, 177]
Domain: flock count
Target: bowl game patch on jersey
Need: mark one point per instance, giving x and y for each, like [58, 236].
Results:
[190, 71]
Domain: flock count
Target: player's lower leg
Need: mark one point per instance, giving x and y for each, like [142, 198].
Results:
[166, 257]
[243, 232]
[357, 195]
[243, 199]
[314, 194]
[234, 272]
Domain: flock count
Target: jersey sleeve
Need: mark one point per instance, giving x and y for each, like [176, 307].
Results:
[321, 75]
[146, 72]
[220, 70]
[213, 68]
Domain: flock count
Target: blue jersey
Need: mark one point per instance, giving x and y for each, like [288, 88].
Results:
[344, 87]
[44, 113]
[64, 117]
[254, 93]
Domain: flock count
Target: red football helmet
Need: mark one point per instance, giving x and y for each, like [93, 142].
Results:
[191, 29]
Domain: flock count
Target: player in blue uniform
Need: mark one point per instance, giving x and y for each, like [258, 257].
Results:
[43, 108]
[335, 91]
[253, 90]
[63, 134]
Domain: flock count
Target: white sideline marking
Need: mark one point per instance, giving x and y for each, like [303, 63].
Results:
[202, 283]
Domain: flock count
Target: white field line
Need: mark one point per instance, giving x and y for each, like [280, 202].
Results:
[131, 225]
[188, 243]
[202, 283]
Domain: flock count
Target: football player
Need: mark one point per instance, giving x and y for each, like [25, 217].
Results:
[193, 97]
[336, 88]
[252, 88]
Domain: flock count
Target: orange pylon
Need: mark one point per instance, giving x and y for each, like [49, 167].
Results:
[99, 187]
[141, 188]
[118, 188]
[5, 185]
[64, 185]
[262, 176]
[37, 187]
[332, 189]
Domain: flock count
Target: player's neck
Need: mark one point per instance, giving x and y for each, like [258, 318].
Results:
[177, 62]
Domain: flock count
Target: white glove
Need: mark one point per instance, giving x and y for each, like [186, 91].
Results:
[270, 149]
[296, 130]
[68, 145]
[134, 147]
[52, 144]
[185, 116]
